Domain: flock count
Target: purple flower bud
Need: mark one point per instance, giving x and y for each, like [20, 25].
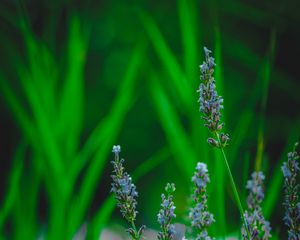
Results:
[210, 102]
[291, 219]
[213, 142]
[199, 215]
[166, 214]
[258, 227]
[125, 193]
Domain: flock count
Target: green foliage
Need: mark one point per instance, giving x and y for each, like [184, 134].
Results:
[82, 78]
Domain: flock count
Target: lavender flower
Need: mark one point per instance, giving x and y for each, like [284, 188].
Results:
[292, 206]
[258, 227]
[125, 193]
[166, 214]
[210, 107]
[210, 102]
[199, 215]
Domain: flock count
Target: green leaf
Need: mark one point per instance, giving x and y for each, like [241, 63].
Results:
[177, 138]
[167, 58]
[107, 132]
[72, 99]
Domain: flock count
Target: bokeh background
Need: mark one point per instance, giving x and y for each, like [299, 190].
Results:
[77, 77]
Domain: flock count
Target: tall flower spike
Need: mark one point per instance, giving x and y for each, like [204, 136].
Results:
[210, 102]
[125, 193]
[291, 203]
[199, 215]
[258, 227]
[210, 107]
[166, 214]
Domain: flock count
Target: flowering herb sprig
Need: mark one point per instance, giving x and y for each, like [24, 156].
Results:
[166, 214]
[210, 102]
[199, 215]
[210, 107]
[125, 194]
[291, 203]
[258, 227]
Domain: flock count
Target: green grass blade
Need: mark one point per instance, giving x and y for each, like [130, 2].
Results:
[187, 18]
[14, 184]
[18, 111]
[265, 76]
[100, 133]
[110, 128]
[188, 25]
[42, 70]
[167, 58]
[177, 138]
[274, 189]
[48, 141]
[72, 100]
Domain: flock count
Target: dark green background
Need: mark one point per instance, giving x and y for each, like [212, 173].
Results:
[130, 70]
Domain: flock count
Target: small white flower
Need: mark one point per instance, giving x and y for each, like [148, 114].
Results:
[116, 149]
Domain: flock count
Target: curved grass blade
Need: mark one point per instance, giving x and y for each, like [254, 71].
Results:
[187, 16]
[109, 129]
[72, 100]
[13, 187]
[177, 138]
[168, 60]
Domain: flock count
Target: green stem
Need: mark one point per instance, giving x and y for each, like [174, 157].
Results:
[236, 195]
[136, 235]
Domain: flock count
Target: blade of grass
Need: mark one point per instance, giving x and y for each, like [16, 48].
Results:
[238, 50]
[13, 187]
[187, 17]
[45, 131]
[72, 100]
[177, 138]
[169, 61]
[99, 134]
[274, 189]
[246, 174]
[41, 68]
[265, 76]
[40, 97]
[110, 129]
[18, 111]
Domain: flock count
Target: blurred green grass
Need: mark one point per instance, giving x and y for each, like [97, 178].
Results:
[70, 107]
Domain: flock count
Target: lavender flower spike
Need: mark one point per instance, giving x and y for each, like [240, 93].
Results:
[291, 191]
[258, 227]
[199, 215]
[210, 102]
[125, 193]
[166, 214]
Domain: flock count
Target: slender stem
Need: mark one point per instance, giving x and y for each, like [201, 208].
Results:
[236, 195]
[137, 236]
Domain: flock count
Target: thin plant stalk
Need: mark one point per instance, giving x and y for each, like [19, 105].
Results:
[235, 192]
[211, 105]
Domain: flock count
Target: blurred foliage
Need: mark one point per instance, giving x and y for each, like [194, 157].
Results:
[77, 77]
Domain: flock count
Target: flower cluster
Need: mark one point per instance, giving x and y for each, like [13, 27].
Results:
[166, 214]
[291, 203]
[125, 193]
[211, 102]
[258, 227]
[199, 215]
